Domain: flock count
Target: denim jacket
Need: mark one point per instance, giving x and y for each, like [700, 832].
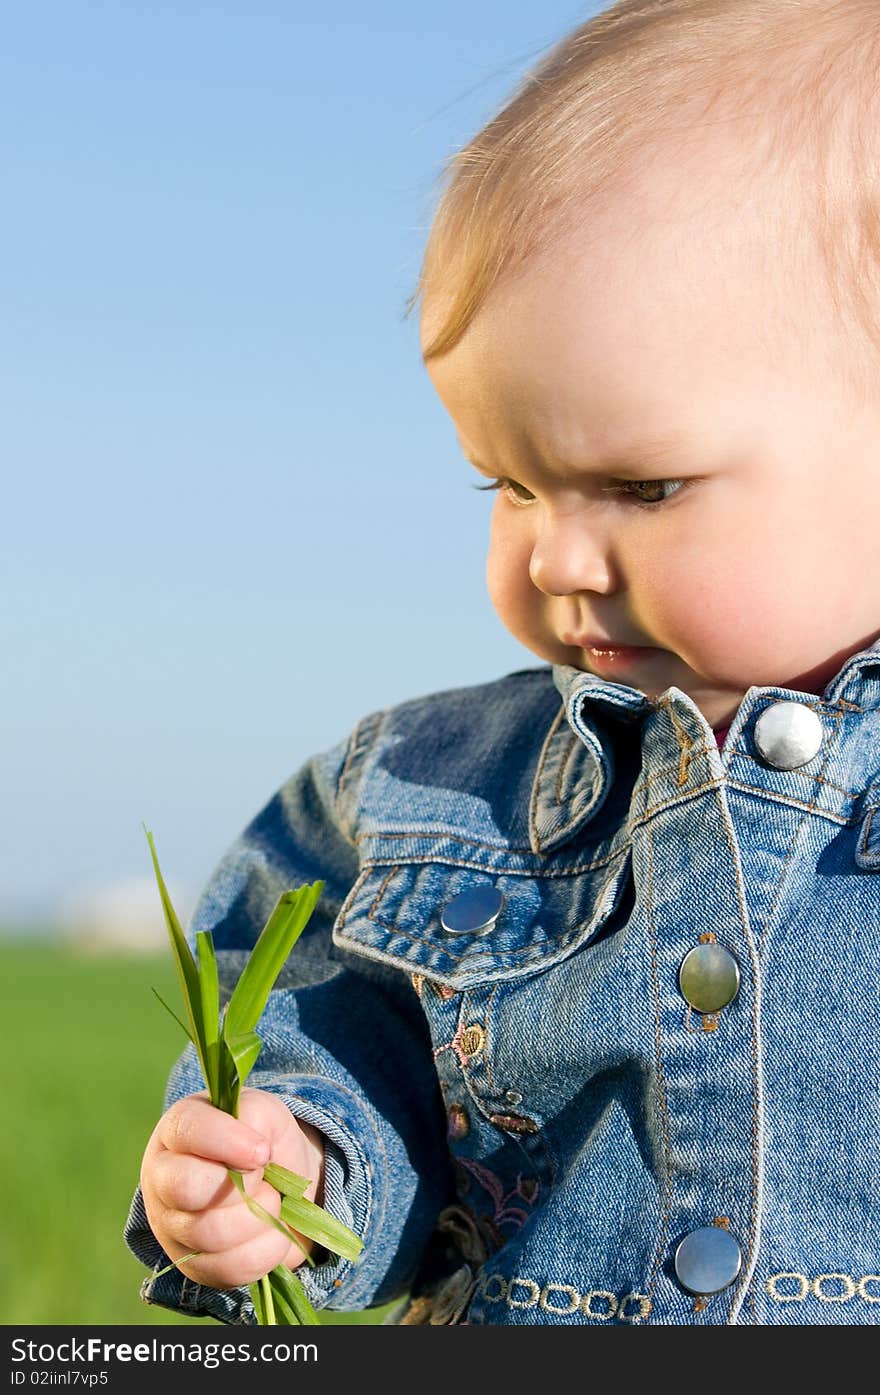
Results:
[525, 1118]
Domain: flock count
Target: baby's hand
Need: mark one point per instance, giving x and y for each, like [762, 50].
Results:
[192, 1204]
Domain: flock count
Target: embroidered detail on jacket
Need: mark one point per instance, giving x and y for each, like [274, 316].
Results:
[469, 1041]
[508, 1214]
[562, 1300]
[513, 1123]
[788, 1286]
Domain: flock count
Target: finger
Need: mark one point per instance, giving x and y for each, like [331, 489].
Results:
[193, 1125]
[226, 1227]
[183, 1182]
[264, 1112]
[244, 1264]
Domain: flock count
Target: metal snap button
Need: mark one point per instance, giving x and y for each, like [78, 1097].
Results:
[708, 977]
[473, 912]
[707, 1261]
[788, 734]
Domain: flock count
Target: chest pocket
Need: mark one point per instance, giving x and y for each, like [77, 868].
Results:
[395, 913]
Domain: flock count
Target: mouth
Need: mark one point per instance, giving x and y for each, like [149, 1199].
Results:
[596, 645]
[612, 657]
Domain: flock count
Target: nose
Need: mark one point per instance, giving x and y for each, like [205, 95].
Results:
[570, 555]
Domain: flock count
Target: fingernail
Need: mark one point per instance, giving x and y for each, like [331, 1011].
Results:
[261, 1154]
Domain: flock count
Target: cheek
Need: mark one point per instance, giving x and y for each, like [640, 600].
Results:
[507, 564]
[704, 593]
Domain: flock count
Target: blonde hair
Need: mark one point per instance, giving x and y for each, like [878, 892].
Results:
[801, 73]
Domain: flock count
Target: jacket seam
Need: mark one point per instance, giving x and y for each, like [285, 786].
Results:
[778, 798]
[757, 1076]
[422, 858]
[543, 758]
[770, 795]
[498, 959]
[664, 772]
[661, 1086]
[353, 754]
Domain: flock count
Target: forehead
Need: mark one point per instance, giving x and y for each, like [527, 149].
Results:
[664, 296]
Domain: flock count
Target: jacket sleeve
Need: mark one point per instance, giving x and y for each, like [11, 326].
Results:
[345, 1045]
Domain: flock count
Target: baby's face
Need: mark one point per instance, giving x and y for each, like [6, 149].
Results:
[749, 551]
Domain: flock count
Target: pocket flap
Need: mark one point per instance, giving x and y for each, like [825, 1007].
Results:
[393, 914]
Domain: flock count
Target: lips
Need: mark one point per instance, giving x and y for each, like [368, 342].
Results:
[597, 642]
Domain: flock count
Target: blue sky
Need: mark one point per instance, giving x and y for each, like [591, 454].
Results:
[235, 515]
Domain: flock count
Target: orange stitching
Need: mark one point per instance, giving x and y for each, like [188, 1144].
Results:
[776, 796]
[742, 784]
[862, 845]
[573, 870]
[696, 748]
[381, 892]
[353, 745]
[663, 773]
[700, 748]
[440, 833]
[817, 779]
[352, 895]
[540, 947]
[793, 803]
[686, 746]
[349, 755]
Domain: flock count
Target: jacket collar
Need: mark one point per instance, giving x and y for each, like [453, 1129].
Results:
[576, 768]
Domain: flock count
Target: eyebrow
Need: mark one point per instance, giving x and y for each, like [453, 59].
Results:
[654, 450]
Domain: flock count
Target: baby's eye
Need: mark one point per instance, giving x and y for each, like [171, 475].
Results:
[648, 484]
[508, 488]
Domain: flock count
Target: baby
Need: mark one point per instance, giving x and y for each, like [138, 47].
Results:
[584, 1028]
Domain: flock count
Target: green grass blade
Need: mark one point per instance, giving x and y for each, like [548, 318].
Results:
[173, 1014]
[256, 1293]
[186, 965]
[209, 998]
[244, 1048]
[291, 1299]
[266, 959]
[174, 1263]
[287, 1183]
[228, 1084]
[227, 1049]
[319, 1225]
[259, 1210]
[268, 1304]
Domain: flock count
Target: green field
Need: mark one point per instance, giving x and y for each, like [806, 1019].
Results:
[89, 1050]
